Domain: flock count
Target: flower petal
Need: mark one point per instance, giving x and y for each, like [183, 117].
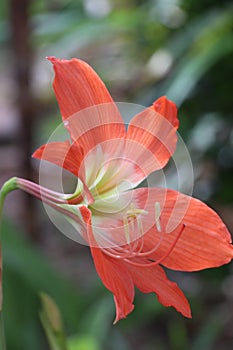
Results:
[117, 279]
[62, 154]
[168, 109]
[154, 279]
[114, 276]
[88, 111]
[153, 133]
[95, 125]
[205, 241]
[77, 86]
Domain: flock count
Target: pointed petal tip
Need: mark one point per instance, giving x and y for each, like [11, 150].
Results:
[168, 109]
[117, 319]
[120, 315]
[162, 101]
[51, 58]
[182, 306]
[186, 312]
[54, 60]
[38, 152]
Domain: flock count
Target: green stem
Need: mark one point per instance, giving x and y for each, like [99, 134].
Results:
[2, 334]
[8, 186]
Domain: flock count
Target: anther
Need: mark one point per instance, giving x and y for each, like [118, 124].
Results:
[157, 216]
[127, 230]
[132, 217]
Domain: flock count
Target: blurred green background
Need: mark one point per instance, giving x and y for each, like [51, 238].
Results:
[142, 50]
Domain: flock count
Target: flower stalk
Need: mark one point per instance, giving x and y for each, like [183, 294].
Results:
[8, 186]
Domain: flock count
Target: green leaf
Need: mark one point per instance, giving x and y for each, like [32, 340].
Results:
[212, 44]
[52, 322]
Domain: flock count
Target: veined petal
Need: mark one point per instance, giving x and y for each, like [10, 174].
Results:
[154, 279]
[153, 133]
[102, 165]
[168, 109]
[62, 154]
[95, 125]
[67, 156]
[205, 241]
[87, 108]
[114, 276]
[77, 86]
[117, 279]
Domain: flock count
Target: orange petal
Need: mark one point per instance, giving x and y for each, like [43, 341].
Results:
[77, 86]
[114, 276]
[90, 115]
[205, 241]
[117, 279]
[154, 279]
[97, 125]
[62, 154]
[168, 109]
[153, 134]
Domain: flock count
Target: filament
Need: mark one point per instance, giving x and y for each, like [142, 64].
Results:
[134, 251]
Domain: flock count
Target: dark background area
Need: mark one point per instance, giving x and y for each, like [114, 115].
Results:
[142, 50]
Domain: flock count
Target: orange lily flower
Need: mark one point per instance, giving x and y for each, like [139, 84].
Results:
[132, 232]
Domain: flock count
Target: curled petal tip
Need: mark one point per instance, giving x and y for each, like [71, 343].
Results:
[168, 109]
[52, 59]
[120, 314]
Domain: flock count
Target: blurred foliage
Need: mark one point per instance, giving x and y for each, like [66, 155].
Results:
[25, 275]
[51, 320]
[142, 49]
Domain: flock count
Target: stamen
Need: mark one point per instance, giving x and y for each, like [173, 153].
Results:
[127, 254]
[127, 230]
[149, 252]
[140, 228]
[154, 263]
[133, 250]
[131, 223]
[134, 212]
[157, 216]
[131, 217]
